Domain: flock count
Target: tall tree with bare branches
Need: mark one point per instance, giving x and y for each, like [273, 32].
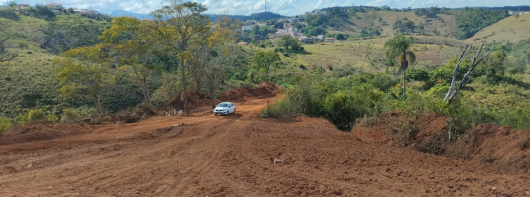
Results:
[456, 85]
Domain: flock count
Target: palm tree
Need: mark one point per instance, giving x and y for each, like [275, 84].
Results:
[399, 47]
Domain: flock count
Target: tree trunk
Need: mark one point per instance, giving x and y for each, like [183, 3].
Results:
[97, 102]
[184, 86]
[405, 65]
[404, 86]
[196, 77]
[146, 90]
[143, 81]
[212, 90]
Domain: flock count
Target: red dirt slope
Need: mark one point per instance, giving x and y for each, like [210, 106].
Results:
[230, 156]
[388, 129]
[42, 130]
[500, 145]
[496, 144]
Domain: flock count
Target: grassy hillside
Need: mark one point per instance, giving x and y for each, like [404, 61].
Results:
[28, 81]
[368, 55]
[384, 21]
[445, 24]
[511, 29]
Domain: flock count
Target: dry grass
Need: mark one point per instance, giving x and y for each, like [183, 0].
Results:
[445, 24]
[511, 29]
[354, 53]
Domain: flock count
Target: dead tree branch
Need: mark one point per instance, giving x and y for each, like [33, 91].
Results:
[455, 87]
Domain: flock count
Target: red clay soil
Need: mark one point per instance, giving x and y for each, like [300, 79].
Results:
[500, 145]
[230, 156]
[386, 128]
[42, 130]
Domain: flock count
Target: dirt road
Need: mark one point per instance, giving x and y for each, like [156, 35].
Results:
[230, 156]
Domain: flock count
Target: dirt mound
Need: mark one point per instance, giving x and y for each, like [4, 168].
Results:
[395, 129]
[501, 145]
[241, 94]
[261, 91]
[41, 130]
[491, 143]
[197, 99]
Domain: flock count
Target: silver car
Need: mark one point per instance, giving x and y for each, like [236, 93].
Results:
[225, 108]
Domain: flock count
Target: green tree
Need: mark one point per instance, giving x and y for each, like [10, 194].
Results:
[399, 47]
[264, 60]
[215, 57]
[279, 43]
[494, 66]
[130, 41]
[287, 41]
[83, 72]
[178, 26]
[278, 25]
[11, 4]
[340, 37]
[296, 45]
[225, 21]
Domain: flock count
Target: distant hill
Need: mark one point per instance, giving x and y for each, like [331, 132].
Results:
[257, 16]
[511, 29]
[118, 13]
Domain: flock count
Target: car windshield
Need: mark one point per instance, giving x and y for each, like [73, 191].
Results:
[222, 105]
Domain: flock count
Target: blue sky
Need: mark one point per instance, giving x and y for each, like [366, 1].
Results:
[284, 7]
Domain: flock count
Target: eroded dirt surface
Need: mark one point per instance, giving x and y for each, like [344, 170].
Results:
[230, 156]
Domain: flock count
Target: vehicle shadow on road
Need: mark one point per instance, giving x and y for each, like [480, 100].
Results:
[234, 116]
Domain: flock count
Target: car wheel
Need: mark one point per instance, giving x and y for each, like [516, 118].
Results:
[234, 111]
[215, 114]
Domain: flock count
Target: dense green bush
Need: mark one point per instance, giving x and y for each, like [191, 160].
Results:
[341, 100]
[42, 12]
[34, 114]
[9, 13]
[344, 100]
[5, 124]
[71, 115]
[416, 74]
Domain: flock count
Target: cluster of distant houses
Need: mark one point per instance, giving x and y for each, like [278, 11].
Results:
[288, 29]
[58, 9]
[517, 12]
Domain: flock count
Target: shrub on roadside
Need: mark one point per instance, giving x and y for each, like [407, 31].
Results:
[72, 115]
[31, 115]
[5, 124]
[135, 114]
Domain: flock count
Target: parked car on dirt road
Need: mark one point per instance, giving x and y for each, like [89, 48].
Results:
[225, 108]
